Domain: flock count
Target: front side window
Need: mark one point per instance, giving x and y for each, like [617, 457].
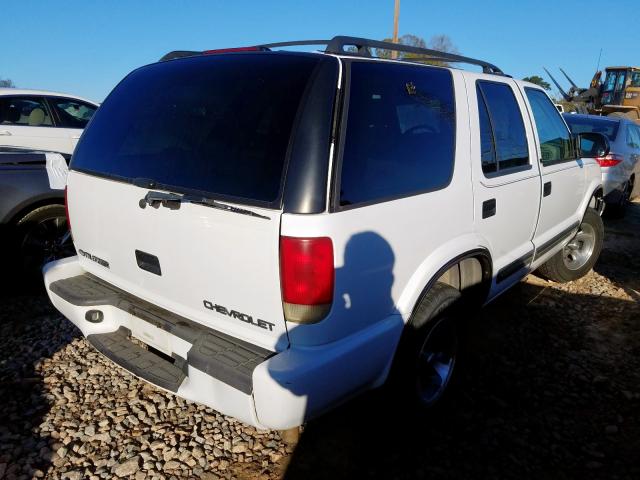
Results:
[555, 139]
[635, 79]
[400, 132]
[72, 113]
[24, 111]
[502, 135]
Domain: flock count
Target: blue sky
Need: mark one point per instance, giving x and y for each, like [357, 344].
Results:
[86, 47]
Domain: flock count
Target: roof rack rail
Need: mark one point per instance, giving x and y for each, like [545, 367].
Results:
[363, 45]
[363, 49]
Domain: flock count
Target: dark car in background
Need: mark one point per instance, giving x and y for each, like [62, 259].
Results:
[621, 167]
[33, 224]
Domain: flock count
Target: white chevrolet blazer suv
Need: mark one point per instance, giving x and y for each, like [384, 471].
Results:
[271, 232]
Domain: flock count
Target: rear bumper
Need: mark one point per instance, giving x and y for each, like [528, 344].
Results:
[262, 388]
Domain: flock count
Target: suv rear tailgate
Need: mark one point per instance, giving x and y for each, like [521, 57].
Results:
[216, 267]
[202, 129]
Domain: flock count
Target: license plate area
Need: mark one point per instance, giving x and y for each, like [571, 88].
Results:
[151, 335]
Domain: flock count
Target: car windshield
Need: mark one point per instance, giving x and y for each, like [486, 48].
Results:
[589, 124]
[214, 124]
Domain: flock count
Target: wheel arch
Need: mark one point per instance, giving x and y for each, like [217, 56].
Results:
[595, 200]
[26, 207]
[446, 272]
[469, 271]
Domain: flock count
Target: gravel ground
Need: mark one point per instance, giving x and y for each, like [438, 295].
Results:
[550, 389]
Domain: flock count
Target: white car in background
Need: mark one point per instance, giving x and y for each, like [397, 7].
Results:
[42, 120]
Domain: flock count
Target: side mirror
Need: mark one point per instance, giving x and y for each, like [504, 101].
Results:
[593, 145]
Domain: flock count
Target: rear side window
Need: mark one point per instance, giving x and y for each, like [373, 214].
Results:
[25, 111]
[502, 134]
[216, 124]
[555, 139]
[72, 113]
[633, 136]
[400, 132]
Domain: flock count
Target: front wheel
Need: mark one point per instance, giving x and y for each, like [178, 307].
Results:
[579, 255]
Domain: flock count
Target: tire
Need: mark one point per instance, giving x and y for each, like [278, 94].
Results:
[581, 253]
[430, 344]
[619, 209]
[41, 236]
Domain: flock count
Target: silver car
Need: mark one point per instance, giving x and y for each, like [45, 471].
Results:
[621, 168]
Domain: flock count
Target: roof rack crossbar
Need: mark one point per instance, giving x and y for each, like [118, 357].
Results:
[337, 45]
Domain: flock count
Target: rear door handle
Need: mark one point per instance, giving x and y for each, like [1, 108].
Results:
[546, 189]
[5, 133]
[489, 208]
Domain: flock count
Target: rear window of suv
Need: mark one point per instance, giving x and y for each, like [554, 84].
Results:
[580, 124]
[219, 125]
[400, 132]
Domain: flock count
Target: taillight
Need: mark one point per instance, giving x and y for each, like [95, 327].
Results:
[307, 276]
[66, 209]
[610, 160]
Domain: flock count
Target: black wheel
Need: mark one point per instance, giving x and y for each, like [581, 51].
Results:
[42, 236]
[428, 354]
[619, 209]
[580, 254]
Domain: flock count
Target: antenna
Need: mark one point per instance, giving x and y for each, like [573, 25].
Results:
[599, 57]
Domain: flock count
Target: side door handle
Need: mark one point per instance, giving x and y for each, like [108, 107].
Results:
[75, 137]
[5, 133]
[546, 189]
[489, 208]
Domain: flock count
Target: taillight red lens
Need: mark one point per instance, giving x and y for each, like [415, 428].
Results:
[610, 160]
[307, 277]
[66, 208]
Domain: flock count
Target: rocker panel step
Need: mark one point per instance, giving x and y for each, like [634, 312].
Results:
[117, 347]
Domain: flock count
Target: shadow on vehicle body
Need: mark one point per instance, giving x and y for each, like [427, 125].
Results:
[545, 380]
[549, 389]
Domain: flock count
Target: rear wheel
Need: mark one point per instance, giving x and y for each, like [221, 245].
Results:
[428, 355]
[580, 254]
[42, 236]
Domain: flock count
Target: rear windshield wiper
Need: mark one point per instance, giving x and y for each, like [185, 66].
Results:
[173, 201]
[209, 202]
